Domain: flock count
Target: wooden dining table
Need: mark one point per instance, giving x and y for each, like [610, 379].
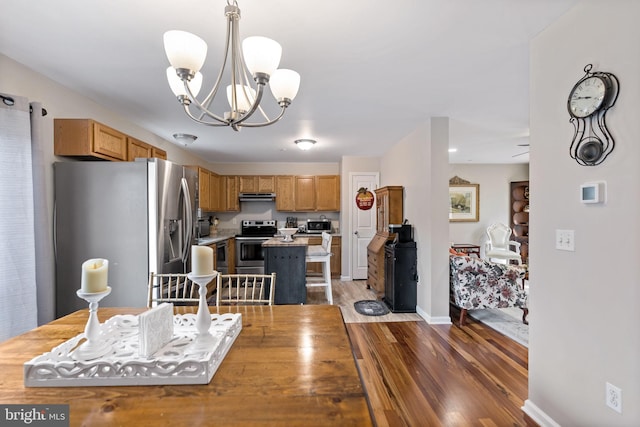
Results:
[291, 365]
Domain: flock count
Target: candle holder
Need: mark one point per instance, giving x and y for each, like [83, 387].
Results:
[203, 318]
[93, 347]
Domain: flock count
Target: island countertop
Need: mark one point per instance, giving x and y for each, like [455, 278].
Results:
[277, 241]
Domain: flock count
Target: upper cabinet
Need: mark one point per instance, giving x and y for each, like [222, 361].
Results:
[229, 190]
[89, 139]
[257, 184]
[389, 207]
[307, 193]
[284, 193]
[216, 202]
[204, 189]
[327, 193]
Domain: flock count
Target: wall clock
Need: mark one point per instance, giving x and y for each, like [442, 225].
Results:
[588, 103]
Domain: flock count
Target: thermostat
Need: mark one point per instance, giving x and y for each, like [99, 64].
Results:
[593, 192]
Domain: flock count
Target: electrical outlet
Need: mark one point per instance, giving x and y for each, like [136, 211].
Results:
[614, 397]
[565, 240]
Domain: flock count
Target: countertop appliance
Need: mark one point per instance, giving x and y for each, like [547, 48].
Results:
[138, 215]
[292, 222]
[249, 250]
[318, 226]
[202, 228]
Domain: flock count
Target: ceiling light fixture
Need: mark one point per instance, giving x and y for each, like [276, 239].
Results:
[185, 138]
[260, 56]
[305, 144]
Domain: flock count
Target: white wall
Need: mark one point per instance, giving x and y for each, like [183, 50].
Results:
[584, 305]
[419, 162]
[494, 183]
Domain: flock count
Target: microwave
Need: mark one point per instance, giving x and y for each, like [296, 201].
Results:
[317, 226]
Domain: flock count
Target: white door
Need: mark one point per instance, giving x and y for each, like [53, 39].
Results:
[363, 223]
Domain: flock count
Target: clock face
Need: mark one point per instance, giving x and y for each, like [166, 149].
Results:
[587, 96]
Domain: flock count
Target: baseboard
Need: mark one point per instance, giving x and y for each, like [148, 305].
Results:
[345, 278]
[437, 320]
[538, 415]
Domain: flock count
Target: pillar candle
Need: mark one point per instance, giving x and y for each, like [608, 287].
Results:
[94, 275]
[201, 260]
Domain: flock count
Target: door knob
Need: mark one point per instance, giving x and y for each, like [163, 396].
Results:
[355, 232]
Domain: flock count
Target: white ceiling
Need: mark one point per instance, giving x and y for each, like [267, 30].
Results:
[371, 71]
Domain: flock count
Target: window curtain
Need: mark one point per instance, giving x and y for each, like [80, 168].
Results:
[18, 290]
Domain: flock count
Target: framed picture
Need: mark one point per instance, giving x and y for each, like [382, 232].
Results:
[464, 202]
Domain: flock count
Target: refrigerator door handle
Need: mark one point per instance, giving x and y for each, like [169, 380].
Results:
[184, 187]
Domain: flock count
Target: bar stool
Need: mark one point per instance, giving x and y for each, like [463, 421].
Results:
[322, 254]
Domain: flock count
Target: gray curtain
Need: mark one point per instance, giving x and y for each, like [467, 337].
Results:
[18, 299]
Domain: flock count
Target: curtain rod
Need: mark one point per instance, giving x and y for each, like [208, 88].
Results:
[7, 100]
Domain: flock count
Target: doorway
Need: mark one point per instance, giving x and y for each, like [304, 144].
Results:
[363, 222]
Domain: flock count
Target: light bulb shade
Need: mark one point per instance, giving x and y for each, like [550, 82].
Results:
[245, 96]
[177, 86]
[305, 144]
[284, 84]
[185, 50]
[261, 54]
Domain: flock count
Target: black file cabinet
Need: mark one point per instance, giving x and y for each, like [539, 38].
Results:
[401, 277]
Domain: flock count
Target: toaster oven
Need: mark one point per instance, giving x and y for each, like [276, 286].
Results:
[317, 226]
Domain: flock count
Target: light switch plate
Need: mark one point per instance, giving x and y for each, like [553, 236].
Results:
[565, 240]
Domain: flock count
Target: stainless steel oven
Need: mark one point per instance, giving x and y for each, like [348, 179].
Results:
[249, 251]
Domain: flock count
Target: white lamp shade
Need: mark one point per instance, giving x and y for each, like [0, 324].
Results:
[284, 84]
[185, 50]
[245, 96]
[305, 144]
[177, 86]
[261, 55]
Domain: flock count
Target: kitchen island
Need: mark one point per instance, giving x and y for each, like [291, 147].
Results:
[288, 261]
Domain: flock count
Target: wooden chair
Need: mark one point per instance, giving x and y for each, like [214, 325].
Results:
[499, 245]
[175, 288]
[245, 289]
[322, 254]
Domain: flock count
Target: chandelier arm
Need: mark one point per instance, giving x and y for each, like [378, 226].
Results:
[270, 122]
[204, 110]
[196, 119]
[246, 78]
[207, 101]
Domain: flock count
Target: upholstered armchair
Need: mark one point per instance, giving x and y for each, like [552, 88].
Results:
[477, 283]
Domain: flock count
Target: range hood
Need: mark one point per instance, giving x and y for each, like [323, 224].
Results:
[257, 197]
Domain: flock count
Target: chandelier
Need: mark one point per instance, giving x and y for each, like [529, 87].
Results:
[259, 59]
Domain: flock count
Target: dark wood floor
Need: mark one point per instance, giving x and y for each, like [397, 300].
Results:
[441, 375]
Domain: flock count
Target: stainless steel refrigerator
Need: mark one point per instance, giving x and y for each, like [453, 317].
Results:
[138, 215]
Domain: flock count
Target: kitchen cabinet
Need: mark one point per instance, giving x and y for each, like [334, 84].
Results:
[137, 149]
[284, 193]
[328, 193]
[158, 153]
[204, 193]
[231, 254]
[389, 210]
[140, 149]
[304, 193]
[88, 139]
[215, 192]
[257, 184]
[336, 258]
[229, 187]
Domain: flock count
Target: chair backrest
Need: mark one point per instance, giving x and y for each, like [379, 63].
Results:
[175, 288]
[326, 242]
[245, 289]
[499, 236]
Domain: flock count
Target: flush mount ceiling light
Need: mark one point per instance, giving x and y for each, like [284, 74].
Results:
[185, 138]
[305, 144]
[259, 57]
